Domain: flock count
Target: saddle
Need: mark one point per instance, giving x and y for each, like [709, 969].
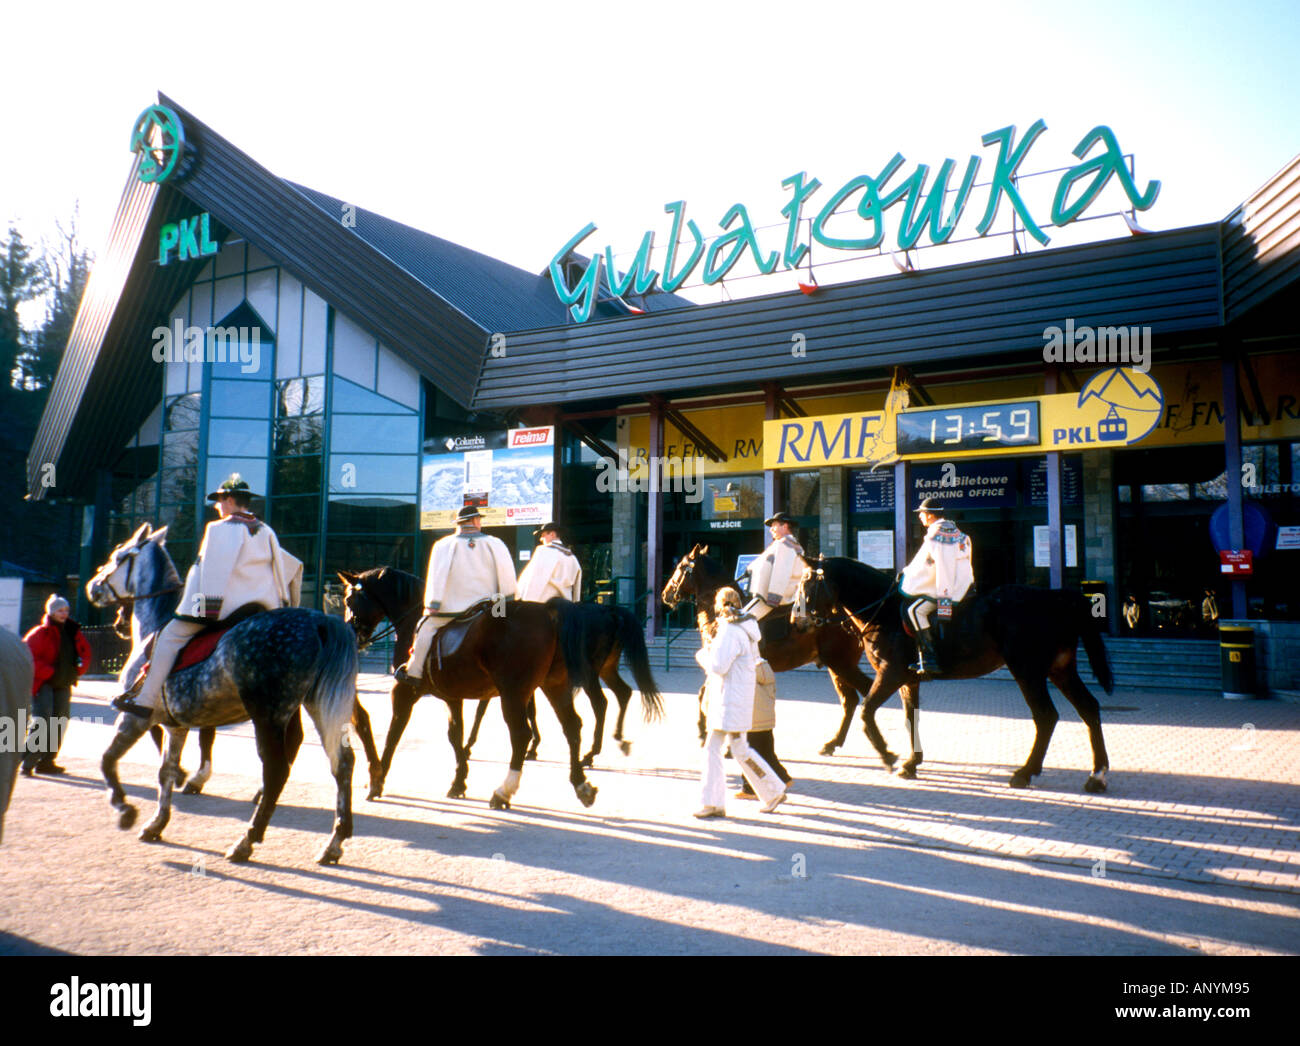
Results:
[201, 646]
[452, 634]
[775, 626]
[953, 636]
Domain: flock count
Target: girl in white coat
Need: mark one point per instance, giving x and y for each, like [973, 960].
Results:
[729, 659]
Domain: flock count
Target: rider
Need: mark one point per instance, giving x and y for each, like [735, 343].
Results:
[464, 568]
[240, 561]
[941, 569]
[774, 576]
[553, 571]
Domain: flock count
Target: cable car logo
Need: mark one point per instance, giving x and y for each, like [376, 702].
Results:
[159, 139]
[1133, 402]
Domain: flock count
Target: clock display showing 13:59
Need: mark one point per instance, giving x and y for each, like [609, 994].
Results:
[981, 427]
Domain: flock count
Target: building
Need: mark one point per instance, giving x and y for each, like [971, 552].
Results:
[377, 345]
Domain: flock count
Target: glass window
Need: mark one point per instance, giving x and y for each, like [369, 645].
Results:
[351, 399]
[227, 294]
[377, 433]
[300, 396]
[354, 352]
[257, 259]
[356, 554]
[180, 449]
[288, 329]
[178, 485]
[371, 515]
[175, 377]
[296, 515]
[252, 469]
[732, 497]
[240, 439]
[802, 493]
[296, 436]
[1166, 492]
[398, 380]
[313, 333]
[1215, 490]
[201, 306]
[373, 473]
[297, 476]
[240, 399]
[230, 259]
[261, 295]
[241, 352]
[182, 413]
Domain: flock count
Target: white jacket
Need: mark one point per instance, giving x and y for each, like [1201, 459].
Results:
[729, 686]
[941, 568]
[553, 571]
[774, 576]
[239, 562]
[465, 568]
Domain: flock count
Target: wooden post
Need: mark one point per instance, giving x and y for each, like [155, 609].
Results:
[655, 520]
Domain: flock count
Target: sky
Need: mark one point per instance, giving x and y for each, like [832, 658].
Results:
[507, 127]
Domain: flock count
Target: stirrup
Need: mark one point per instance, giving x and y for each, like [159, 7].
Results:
[126, 703]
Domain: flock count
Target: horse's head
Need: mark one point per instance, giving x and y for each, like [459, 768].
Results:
[360, 609]
[132, 569]
[816, 599]
[682, 584]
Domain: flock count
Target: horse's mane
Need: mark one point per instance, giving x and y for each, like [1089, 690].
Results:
[856, 582]
[405, 588]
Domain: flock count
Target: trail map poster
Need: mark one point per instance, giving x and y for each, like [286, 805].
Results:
[509, 476]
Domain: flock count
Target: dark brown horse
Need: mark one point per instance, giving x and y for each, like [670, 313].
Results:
[1035, 632]
[785, 648]
[508, 650]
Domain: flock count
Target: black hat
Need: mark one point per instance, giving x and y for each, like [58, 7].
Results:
[930, 505]
[545, 527]
[233, 484]
[780, 517]
[467, 513]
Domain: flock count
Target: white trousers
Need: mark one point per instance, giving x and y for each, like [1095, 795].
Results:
[713, 781]
[425, 631]
[166, 648]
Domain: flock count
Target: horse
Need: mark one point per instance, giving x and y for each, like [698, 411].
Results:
[1035, 632]
[697, 575]
[266, 668]
[508, 651]
[609, 633]
[606, 633]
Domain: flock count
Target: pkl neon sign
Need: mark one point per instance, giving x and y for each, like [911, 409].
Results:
[923, 212]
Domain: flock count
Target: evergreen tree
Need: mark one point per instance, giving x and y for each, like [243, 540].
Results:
[22, 279]
[65, 270]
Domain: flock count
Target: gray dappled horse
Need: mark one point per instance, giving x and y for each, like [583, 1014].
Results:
[266, 668]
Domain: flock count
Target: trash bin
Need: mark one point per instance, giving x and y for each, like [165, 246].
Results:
[1237, 657]
[1092, 589]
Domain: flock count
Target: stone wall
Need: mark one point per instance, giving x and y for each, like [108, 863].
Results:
[1277, 655]
[624, 551]
[1099, 553]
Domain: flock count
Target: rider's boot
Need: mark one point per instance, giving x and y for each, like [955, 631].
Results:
[927, 662]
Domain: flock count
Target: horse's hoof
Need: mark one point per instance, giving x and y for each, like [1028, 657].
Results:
[150, 834]
[888, 758]
[192, 789]
[587, 762]
[586, 793]
[182, 775]
[456, 792]
[1019, 779]
[330, 855]
[499, 802]
[907, 773]
[126, 818]
[240, 852]
[829, 748]
[376, 792]
[625, 747]
[257, 798]
[1094, 784]
[531, 754]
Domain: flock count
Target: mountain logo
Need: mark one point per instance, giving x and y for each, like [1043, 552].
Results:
[1122, 404]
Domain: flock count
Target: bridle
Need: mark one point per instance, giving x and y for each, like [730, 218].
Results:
[126, 603]
[389, 629]
[841, 615]
[673, 590]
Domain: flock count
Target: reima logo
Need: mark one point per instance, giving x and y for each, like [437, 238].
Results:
[529, 437]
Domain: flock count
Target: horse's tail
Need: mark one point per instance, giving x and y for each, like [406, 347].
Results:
[574, 630]
[333, 692]
[1098, 659]
[632, 641]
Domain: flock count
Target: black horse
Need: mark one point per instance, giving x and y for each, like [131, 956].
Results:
[267, 668]
[1035, 632]
[698, 577]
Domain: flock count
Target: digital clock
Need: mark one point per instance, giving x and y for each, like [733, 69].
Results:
[985, 427]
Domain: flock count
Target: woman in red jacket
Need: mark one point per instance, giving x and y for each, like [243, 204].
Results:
[61, 654]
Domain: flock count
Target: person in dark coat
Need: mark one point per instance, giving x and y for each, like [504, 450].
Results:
[61, 655]
[15, 692]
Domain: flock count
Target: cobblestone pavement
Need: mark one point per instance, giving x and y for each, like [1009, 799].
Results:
[1193, 849]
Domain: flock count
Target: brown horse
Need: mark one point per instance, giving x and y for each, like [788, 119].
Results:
[700, 577]
[508, 649]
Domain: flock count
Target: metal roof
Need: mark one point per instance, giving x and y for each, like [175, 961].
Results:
[996, 309]
[1261, 243]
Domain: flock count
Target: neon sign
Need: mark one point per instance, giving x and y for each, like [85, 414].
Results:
[922, 213]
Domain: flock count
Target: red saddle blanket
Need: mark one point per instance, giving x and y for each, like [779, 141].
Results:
[201, 646]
